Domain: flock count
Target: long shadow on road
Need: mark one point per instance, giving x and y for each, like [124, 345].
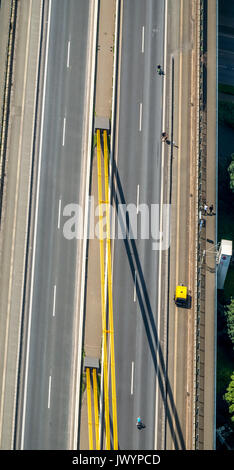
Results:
[148, 319]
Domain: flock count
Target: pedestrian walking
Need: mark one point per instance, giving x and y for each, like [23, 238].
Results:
[164, 136]
[211, 208]
[205, 208]
[202, 223]
[139, 423]
[160, 70]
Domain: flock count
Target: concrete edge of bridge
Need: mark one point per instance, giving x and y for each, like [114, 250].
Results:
[104, 87]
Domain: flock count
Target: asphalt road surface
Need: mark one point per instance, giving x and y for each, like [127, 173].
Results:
[138, 181]
[48, 375]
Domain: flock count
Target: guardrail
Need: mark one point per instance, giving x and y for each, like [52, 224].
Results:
[6, 99]
[201, 198]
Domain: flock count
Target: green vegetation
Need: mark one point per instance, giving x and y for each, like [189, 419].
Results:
[224, 363]
[226, 231]
[228, 89]
[231, 173]
[224, 370]
[229, 312]
[229, 397]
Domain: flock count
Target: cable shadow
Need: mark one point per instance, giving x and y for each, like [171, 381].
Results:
[148, 317]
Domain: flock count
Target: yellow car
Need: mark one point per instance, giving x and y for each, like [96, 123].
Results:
[181, 296]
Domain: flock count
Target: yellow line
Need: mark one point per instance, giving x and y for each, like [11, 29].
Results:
[95, 396]
[89, 410]
[105, 373]
[114, 403]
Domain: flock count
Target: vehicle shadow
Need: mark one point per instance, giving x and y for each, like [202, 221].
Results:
[148, 318]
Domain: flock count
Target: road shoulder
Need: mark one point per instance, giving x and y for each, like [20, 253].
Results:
[16, 206]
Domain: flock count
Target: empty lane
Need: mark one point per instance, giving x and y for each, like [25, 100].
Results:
[137, 181]
[50, 348]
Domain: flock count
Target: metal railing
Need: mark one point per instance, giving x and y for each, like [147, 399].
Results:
[201, 198]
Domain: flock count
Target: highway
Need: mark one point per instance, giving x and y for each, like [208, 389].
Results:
[154, 340]
[137, 180]
[49, 360]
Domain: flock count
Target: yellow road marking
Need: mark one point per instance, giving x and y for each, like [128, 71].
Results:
[95, 396]
[113, 383]
[90, 426]
[101, 244]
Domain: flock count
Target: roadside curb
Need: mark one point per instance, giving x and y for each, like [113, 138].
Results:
[89, 137]
[6, 99]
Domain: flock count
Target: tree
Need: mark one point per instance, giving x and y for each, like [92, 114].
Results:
[231, 173]
[229, 312]
[229, 397]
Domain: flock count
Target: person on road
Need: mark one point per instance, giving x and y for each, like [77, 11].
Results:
[202, 223]
[139, 423]
[164, 136]
[159, 69]
[205, 208]
[211, 208]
